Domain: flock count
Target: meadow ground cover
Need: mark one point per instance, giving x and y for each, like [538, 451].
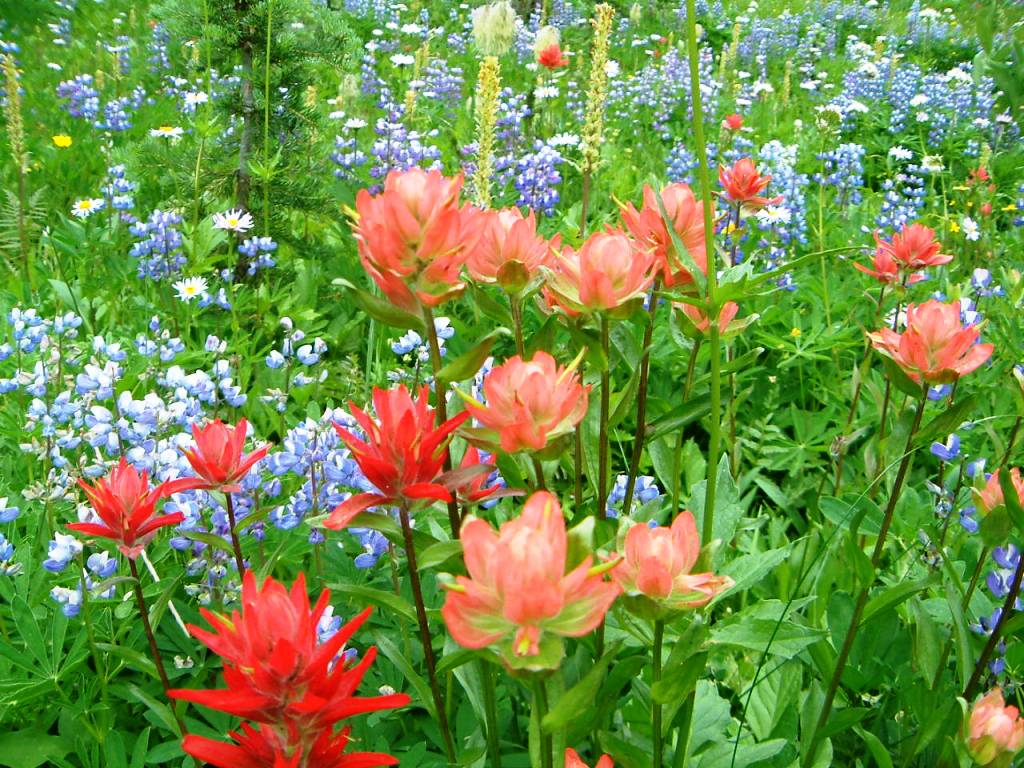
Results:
[546, 383]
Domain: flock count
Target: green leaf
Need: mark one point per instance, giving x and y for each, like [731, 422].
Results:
[902, 382]
[754, 635]
[468, 363]
[843, 511]
[875, 747]
[132, 657]
[946, 422]
[382, 310]
[1011, 500]
[581, 696]
[964, 658]
[31, 748]
[28, 629]
[678, 685]
[681, 253]
[378, 597]
[392, 531]
[390, 650]
[693, 409]
[438, 553]
[890, 597]
[748, 570]
[728, 509]
[161, 711]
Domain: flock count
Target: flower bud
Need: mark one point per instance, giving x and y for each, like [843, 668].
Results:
[494, 27]
[546, 37]
[995, 731]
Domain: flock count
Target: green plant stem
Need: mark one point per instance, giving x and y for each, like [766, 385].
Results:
[659, 747]
[602, 434]
[948, 647]
[428, 649]
[516, 305]
[578, 464]
[89, 631]
[997, 631]
[685, 717]
[540, 709]
[441, 406]
[236, 545]
[677, 455]
[641, 403]
[487, 674]
[140, 601]
[862, 599]
[266, 121]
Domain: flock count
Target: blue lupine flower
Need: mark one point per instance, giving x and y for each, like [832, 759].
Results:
[7, 567]
[947, 451]
[374, 545]
[62, 550]
[7, 514]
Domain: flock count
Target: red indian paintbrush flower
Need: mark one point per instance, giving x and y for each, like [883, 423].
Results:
[276, 670]
[744, 185]
[414, 238]
[402, 455]
[611, 272]
[510, 252]
[573, 760]
[126, 505]
[995, 732]
[476, 488]
[529, 404]
[218, 459]
[913, 248]
[885, 269]
[733, 122]
[657, 564]
[518, 594]
[552, 57]
[264, 747]
[936, 347]
[701, 323]
[687, 216]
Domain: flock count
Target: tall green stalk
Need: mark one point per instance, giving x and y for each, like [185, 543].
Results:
[862, 598]
[641, 403]
[266, 121]
[487, 675]
[540, 708]
[441, 406]
[602, 435]
[659, 746]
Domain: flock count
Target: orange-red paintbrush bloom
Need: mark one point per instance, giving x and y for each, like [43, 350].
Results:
[402, 455]
[529, 404]
[572, 760]
[552, 57]
[218, 459]
[913, 248]
[276, 670]
[744, 185]
[990, 497]
[518, 595]
[510, 252]
[995, 732]
[414, 237]
[126, 505]
[610, 272]
[657, 564]
[936, 347]
[264, 747]
[687, 216]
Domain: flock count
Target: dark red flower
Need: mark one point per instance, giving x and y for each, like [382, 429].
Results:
[218, 458]
[743, 184]
[552, 57]
[276, 670]
[402, 455]
[127, 506]
[263, 747]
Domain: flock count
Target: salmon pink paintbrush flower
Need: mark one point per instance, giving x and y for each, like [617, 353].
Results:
[743, 185]
[518, 595]
[510, 252]
[218, 459]
[698, 320]
[611, 272]
[885, 269]
[276, 669]
[936, 348]
[402, 455]
[414, 237]
[687, 216]
[657, 564]
[913, 248]
[995, 731]
[990, 497]
[572, 760]
[126, 506]
[530, 403]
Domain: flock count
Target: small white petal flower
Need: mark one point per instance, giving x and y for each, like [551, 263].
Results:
[83, 209]
[233, 220]
[190, 288]
[171, 132]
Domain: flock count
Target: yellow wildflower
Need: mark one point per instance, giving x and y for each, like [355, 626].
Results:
[62, 141]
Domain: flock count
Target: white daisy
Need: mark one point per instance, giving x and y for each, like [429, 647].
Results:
[403, 60]
[771, 215]
[970, 229]
[355, 123]
[233, 220]
[564, 140]
[546, 92]
[190, 288]
[933, 164]
[900, 153]
[195, 98]
[171, 132]
[83, 209]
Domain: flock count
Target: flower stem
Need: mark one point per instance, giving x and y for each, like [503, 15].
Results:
[659, 747]
[140, 601]
[963, 606]
[87, 617]
[862, 599]
[540, 709]
[441, 406]
[997, 630]
[602, 435]
[428, 649]
[491, 713]
[515, 303]
[236, 545]
[641, 405]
